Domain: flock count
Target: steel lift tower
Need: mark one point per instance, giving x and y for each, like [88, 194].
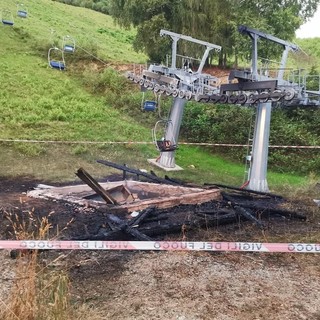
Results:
[256, 87]
[182, 84]
[265, 91]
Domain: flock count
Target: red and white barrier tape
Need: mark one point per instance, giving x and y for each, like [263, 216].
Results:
[161, 246]
[146, 143]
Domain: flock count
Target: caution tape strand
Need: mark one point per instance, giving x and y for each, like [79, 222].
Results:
[151, 143]
[161, 246]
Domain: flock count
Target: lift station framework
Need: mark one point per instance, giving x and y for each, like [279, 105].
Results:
[254, 87]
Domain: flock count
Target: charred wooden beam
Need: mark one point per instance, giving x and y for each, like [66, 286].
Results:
[243, 190]
[130, 226]
[269, 209]
[142, 216]
[249, 215]
[202, 222]
[94, 185]
[135, 171]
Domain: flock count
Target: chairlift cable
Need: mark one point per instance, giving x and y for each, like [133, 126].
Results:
[92, 55]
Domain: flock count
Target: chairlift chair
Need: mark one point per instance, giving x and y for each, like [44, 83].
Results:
[22, 11]
[164, 144]
[7, 17]
[68, 44]
[148, 105]
[56, 59]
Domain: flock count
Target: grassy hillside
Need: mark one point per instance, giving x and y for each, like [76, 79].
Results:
[40, 103]
[50, 21]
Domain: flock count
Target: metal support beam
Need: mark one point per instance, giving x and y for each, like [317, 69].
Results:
[283, 62]
[167, 159]
[259, 157]
[255, 35]
[260, 34]
[254, 61]
[176, 37]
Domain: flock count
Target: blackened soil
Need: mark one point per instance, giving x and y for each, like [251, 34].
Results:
[200, 222]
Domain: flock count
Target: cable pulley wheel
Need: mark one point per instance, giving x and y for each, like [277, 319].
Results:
[188, 95]
[181, 94]
[233, 98]
[276, 95]
[156, 88]
[168, 91]
[242, 98]
[290, 93]
[253, 97]
[214, 98]
[163, 89]
[264, 96]
[175, 93]
[224, 98]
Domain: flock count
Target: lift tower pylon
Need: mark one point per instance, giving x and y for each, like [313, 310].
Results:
[182, 84]
[257, 178]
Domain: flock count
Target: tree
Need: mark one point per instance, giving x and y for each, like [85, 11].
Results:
[214, 21]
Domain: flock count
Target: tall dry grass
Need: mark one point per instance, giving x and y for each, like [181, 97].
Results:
[39, 292]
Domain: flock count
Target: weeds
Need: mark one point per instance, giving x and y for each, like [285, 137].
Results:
[38, 292]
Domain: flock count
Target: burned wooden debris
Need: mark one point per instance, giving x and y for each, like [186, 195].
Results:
[153, 177]
[92, 183]
[156, 223]
[144, 211]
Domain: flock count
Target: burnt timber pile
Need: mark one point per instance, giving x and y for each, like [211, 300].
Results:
[140, 210]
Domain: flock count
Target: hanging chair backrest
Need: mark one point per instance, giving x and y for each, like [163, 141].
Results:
[7, 18]
[22, 13]
[68, 48]
[68, 44]
[149, 105]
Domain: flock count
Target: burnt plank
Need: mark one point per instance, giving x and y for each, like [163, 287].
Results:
[135, 171]
[94, 185]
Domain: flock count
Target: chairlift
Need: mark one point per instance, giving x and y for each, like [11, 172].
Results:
[148, 105]
[22, 11]
[164, 144]
[68, 44]
[7, 17]
[56, 58]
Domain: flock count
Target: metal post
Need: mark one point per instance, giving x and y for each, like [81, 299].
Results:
[167, 159]
[283, 63]
[204, 58]
[174, 52]
[254, 56]
[259, 160]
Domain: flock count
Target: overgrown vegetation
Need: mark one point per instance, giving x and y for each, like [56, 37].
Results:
[41, 289]
[93, 102]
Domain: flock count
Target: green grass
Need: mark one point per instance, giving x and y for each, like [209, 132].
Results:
[85, 26]
[214, 169]
[86, 103]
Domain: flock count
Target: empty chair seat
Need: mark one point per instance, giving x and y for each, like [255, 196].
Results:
[57, 65]
[8, 22]
[22, 13]
[68, 48]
